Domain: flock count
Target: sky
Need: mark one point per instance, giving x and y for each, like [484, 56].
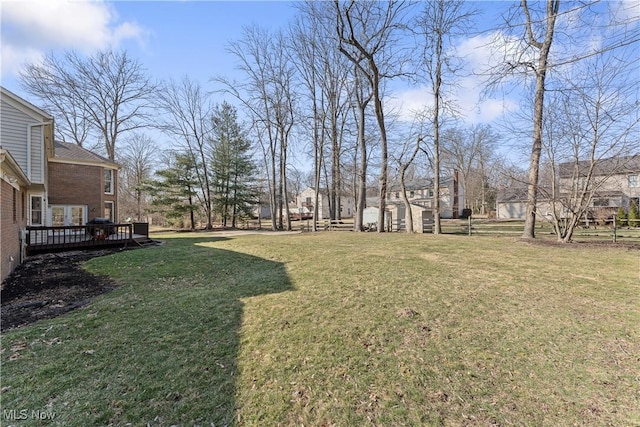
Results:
[172, 39]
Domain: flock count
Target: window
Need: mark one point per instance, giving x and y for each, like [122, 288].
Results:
[633, 181]
[77, 215]
[36, 210]
[108, 211]
[108, 181]
[412, 194]
[397, 195]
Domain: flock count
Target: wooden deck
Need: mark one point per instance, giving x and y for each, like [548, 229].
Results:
[58, 239]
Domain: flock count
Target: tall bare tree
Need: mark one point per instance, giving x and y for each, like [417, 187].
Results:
[361, 96]
[440, 22]
[308, 38]
[106, 94]
[580, 31]
[368, 33]
[137, 157]
[315, 44]
[188, 117]
[543, 47]
[268, 93]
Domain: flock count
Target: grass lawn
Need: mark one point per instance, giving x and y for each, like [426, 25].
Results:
[340, 329]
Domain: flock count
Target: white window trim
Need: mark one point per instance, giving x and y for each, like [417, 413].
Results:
[43, 210]
[113, 210]
[112, 184]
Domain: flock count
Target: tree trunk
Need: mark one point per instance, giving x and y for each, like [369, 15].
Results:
[362, 176]
[538, 110]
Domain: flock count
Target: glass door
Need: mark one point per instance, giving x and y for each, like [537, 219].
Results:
[57, 216]
[77, 215]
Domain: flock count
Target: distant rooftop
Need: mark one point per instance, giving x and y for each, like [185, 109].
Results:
[602, 167]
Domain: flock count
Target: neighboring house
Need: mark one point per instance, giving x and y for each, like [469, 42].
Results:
[616, 183]
[42, 183]
[420, 194]
[83, 186]
[305, 201]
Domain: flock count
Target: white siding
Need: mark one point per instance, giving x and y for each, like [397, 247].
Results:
[511, 210]
[37, 152]
[13, 133]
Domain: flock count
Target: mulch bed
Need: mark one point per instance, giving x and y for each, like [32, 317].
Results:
[49, 285]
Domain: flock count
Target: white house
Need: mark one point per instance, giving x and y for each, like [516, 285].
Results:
[420, 193]
[306, 198]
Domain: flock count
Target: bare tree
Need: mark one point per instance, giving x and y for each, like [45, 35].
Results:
[440, 21]
[319, 62]
[471, 151]
[403, 167]
[308, 38]
[361, 97]
[591, 129]
[188, 117]
[107, 93]
[137, 157]
[269, 95]
[543, 47]
[366, 32]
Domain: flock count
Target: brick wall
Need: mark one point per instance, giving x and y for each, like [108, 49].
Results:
[71, 184]
[10, 229]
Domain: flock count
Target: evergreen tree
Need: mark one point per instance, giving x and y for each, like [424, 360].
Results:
[232, 165]
[621, 217]
[175, 192]
[633, 215]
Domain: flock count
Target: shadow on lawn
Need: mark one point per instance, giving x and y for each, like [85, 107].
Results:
[208, 316]
[179, 364]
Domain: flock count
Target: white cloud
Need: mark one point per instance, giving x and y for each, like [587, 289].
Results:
[480, 54]
[32, 27]
[626, 10]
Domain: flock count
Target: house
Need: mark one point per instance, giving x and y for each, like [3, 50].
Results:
[615, 182]
[420, 193]
[26, 143]
[43, 183]
[83, 185]
[305, 201]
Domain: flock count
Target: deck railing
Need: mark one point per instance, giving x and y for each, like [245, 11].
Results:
[48, 239]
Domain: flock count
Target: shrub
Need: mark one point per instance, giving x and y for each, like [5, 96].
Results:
[621, 217]
[633, 215]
